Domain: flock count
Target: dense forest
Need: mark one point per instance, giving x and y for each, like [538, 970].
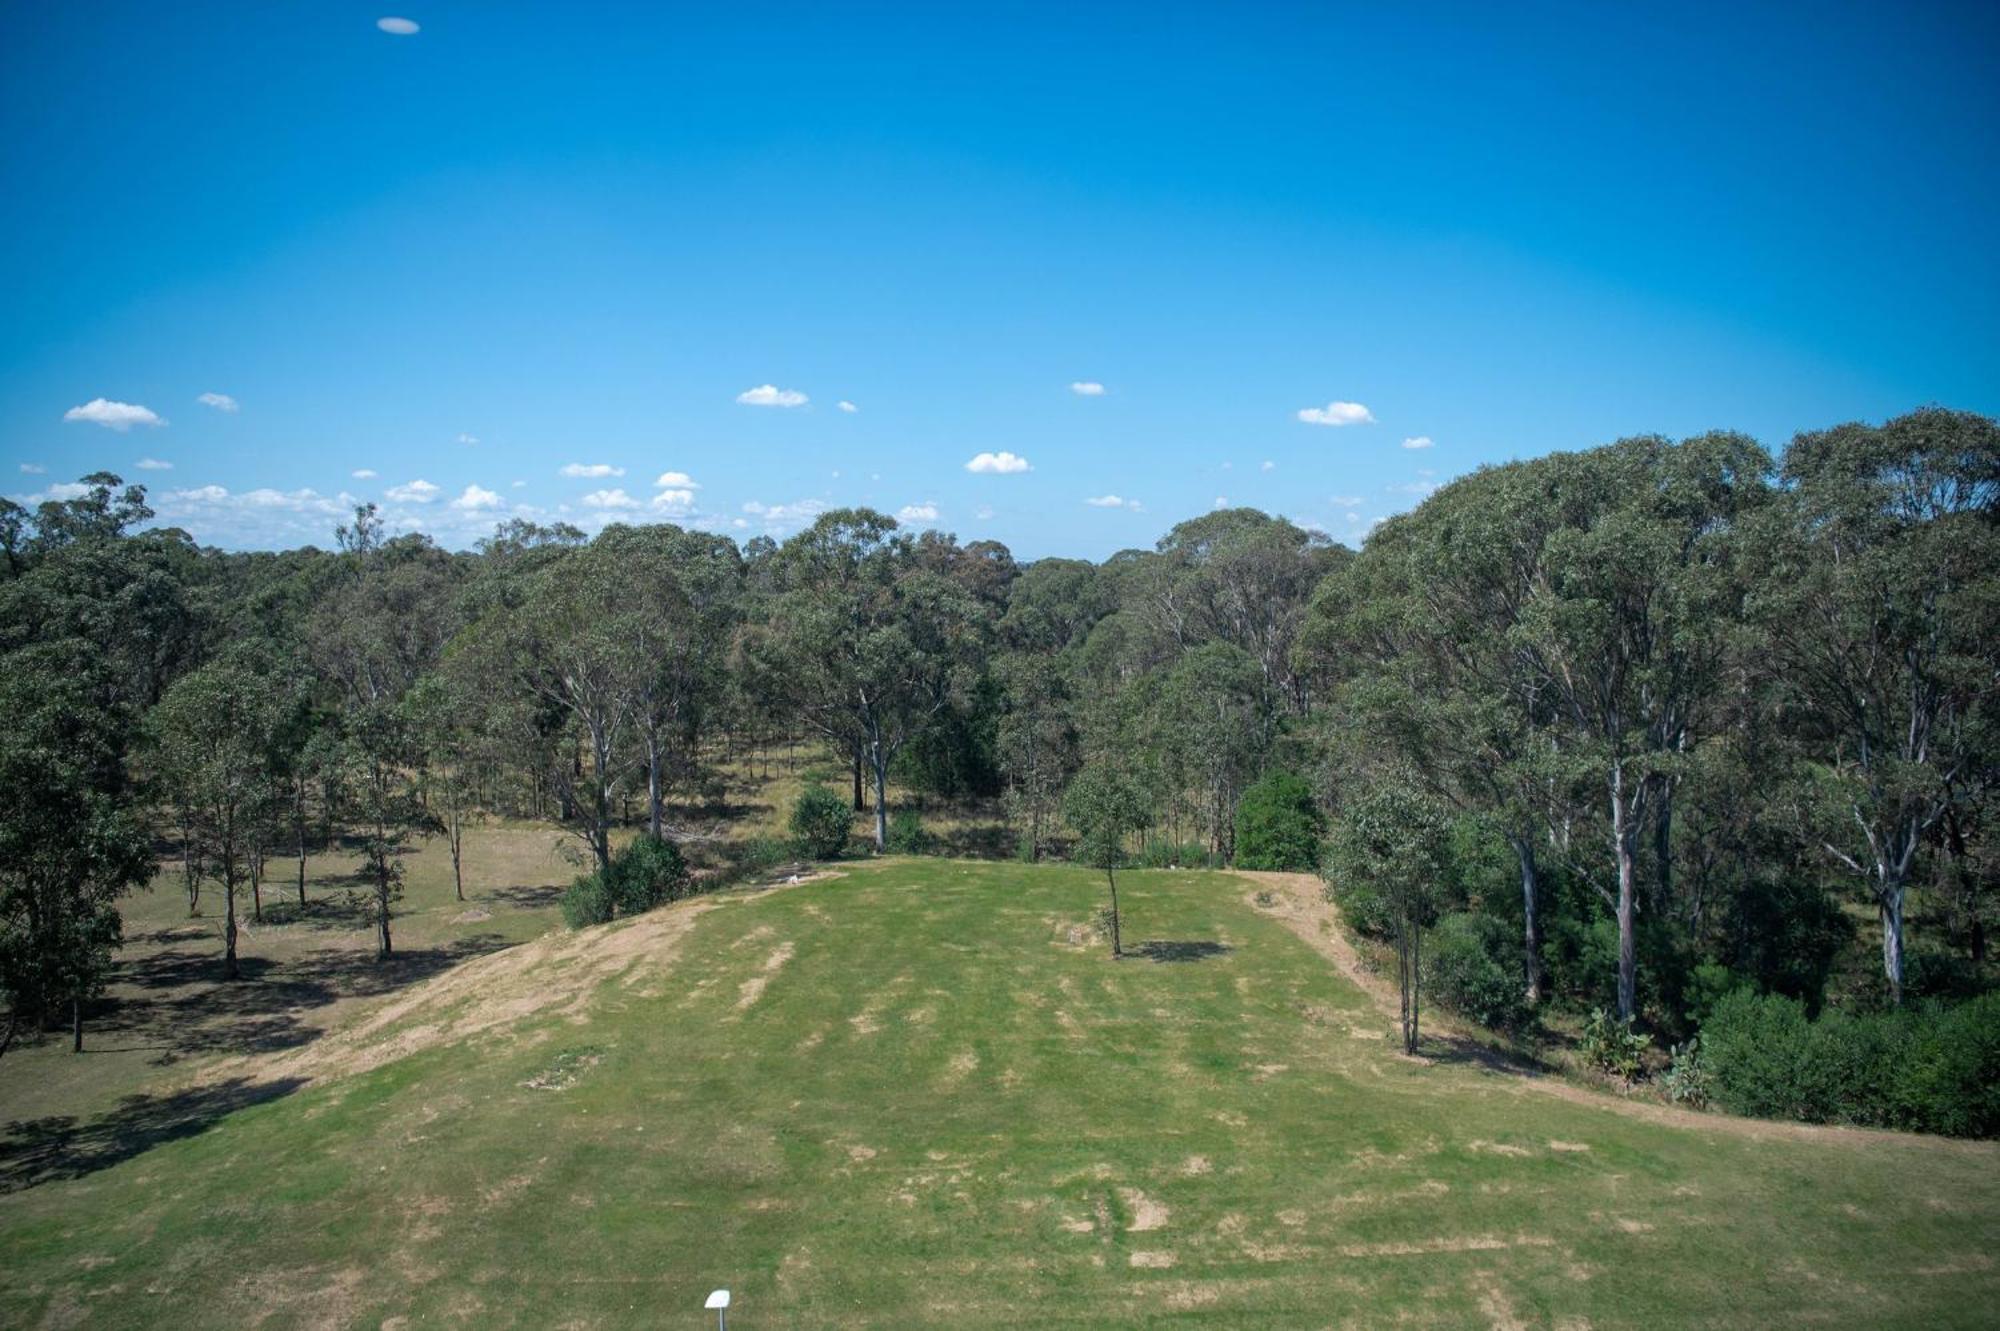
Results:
[1660, 731]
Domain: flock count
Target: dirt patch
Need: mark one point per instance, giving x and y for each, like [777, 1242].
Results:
[1146, 1213]
[1151, 1261]
[1196, 1165]
[752, 989]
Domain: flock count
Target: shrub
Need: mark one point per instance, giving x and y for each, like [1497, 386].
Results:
[588, 901]
[650, 872]
[1278, 826]
[907, 835]
[1164, 854]
[1472, 971]
[1612, 1046]
[758, 853]
[1928, 1067]
[821, 823]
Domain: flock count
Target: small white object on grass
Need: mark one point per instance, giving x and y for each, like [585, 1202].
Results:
[719, 1301]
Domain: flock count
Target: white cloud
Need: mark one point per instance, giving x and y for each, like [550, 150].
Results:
[119, 416]
[1415, 487]
[1417, 441]
[1222, 501]
[925, 512]
[516, 484]
[220, 401]
[1338, 413]
[61, 490]
[33, 468]
[155, 464]
[1268, 466]
[997, 464]
[1113, 501]
[468, 439]
[398, 27]
[592, 470]
[848, 407]
[609, 499]
[418, 491]
[984, 512]
[1346, 501]
[206, 494]
[770, 395]
[676, 480]
[678, 502]
[1087, 388]
[363, 474]
[781, 518]
[476, 498]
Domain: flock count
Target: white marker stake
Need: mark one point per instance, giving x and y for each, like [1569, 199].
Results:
[720, 1302]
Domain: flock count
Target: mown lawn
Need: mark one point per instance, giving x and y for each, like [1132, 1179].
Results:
[911, 1096]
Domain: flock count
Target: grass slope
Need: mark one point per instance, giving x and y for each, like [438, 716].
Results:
[907, 1097]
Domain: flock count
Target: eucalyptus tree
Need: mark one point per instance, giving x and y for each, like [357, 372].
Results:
[875, 644]
[440, 722]
[1106, 808]
[1629, 632]
[71, 841]
[1883, 611]
[1393, 840]
[213, 737]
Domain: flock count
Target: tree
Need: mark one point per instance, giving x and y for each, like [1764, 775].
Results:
[876, 644]
[1883, 611]
[386, 806]
[213, 740]
[70, 843]
[1393, 838]
[1278, 825]
[437, 717]
[1106, 808]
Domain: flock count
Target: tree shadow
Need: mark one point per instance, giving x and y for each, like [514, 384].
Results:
[1162, 949]
[976, 842]
[522, 898]
[47, 1150]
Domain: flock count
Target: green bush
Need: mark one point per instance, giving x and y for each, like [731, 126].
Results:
[1926, 1067]
[758, 853]
[1474, 970]
[821, 823]
[1612, 1046]
[588, 901]
[907, 835]
[1163, 854]
[1366, 909]
[650, 872]
[1688, 1081]
[1278, 826]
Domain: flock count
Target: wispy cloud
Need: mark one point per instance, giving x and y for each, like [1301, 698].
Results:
[419, 491]
[1268, 466]
[1417, 441]
[778, 519]
[363, 473]
[468, 439]
[770, 395]
[925, 512]
[1221, 501]
[33, 468]
[399, 27]
[592, 470]
[475, 499]
[1087, 388]
[155, 464]
[1338, 413]
[1346, 501]
[220, 401]
[848, 407]
[609, 499]
[997, 464]
[119, 416]
[1113, 501]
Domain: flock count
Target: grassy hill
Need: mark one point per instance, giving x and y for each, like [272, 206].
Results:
[921, 1094]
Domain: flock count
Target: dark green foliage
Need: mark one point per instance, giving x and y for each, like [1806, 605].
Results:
[1279, 825]
[820, 824]
[647, 873]
[1159, 853]
[1473, 971]
[907, 835]
[588, 901]
[1925, 1067]
[1610, 1045]
[758, 854]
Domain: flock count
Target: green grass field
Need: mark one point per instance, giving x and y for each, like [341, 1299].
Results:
[919, 1094]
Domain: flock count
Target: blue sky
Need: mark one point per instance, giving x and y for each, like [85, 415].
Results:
[529, 239]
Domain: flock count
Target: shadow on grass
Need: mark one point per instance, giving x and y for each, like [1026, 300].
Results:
[1163, 949]
[522, 898]
[49, 1150]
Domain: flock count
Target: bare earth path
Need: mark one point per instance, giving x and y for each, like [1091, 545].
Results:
[1298, 900]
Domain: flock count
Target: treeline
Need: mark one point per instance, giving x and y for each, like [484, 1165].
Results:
[1626, 728]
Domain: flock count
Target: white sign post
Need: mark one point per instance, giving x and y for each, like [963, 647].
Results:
[720, 1302]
